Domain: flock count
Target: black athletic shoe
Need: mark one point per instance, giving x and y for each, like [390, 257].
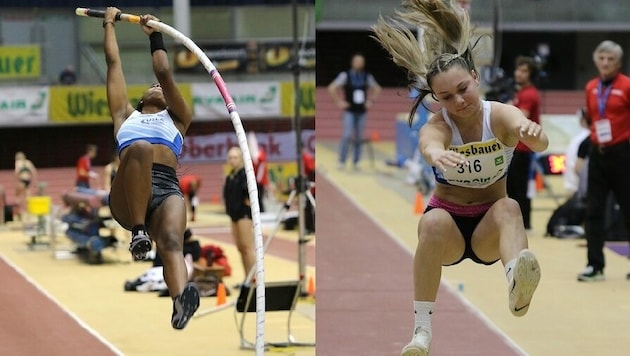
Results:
[140, 246]
[184, 306]
[591, 274]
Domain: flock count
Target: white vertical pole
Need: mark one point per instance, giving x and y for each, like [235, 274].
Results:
[181, 16]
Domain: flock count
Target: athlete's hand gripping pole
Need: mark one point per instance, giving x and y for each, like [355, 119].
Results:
[82, 11]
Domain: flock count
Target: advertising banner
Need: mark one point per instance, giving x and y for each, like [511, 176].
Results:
[20, 62]
[247, 57]
[23, 106]
[307, 99]
[254, 99]
[277, 56]
[88, 104]
[227, 58]
[279, 146]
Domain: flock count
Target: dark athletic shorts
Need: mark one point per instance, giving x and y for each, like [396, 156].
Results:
[467, 225]
[164, 183]
[242, 212]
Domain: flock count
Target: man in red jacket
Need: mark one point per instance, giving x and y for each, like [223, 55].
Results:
[84, 167]
[607, 98]
[528, 100]
[261, 170]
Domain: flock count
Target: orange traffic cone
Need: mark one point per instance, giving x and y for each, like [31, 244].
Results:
[418, 206]
[221, 294]
[311, 286]
[540, 185]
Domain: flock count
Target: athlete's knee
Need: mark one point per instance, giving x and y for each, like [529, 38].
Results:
[433, 225]
[507, 208]
[140, 148]
[170, 242]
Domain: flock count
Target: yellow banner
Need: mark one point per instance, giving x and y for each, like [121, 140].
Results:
[20, 62]
[307, 99]
[88, 104]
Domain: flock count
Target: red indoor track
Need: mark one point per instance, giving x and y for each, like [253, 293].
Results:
[365, 291]
[34, 325]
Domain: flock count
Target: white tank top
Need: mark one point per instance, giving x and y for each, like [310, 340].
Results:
[157, 128]
[488, 159]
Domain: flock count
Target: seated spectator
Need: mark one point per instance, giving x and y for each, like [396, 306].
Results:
[68, 76]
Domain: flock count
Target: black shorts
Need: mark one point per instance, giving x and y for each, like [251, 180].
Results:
[164, 183]
[26, 182]
[242, 212]
[467, 225]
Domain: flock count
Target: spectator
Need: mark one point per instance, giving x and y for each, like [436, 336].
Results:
[308, 161]
[84, 167]
[26, 173]
[360, 91]
[190, 184]
[528, 100]
[572, 160]
[237, 206]
[68, 76]
[607, 98]
[261, 170]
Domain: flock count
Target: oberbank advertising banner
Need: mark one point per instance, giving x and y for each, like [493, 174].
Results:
[253, 100]
[88, 104]
[23, 106]
[279, 146]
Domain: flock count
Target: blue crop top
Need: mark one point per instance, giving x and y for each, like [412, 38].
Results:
[157, 128]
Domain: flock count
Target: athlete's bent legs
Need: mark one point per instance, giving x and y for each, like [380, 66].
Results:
[439, 242]
[501, 234]
[168, 223]
[131, 188]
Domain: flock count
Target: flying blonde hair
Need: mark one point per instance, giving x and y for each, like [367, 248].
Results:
[446, 41]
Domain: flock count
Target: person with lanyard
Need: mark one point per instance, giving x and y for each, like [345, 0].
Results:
[145, 197]
[607, 98]
[469, 144]
[360, 91]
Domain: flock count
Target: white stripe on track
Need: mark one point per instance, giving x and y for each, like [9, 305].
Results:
[50, 297]
[444, 283]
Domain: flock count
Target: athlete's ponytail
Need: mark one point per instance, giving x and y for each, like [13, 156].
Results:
[446, 41]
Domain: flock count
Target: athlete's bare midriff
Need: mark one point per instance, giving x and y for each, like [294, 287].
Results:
[161, 154]
[467, 196]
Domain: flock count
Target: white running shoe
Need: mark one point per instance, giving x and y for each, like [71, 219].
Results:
[419, 345]
[525, 279]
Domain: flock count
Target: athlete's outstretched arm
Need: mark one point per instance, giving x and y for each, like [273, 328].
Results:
[520, 128]
[161, 67]
[434, 139]
[119, 106]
